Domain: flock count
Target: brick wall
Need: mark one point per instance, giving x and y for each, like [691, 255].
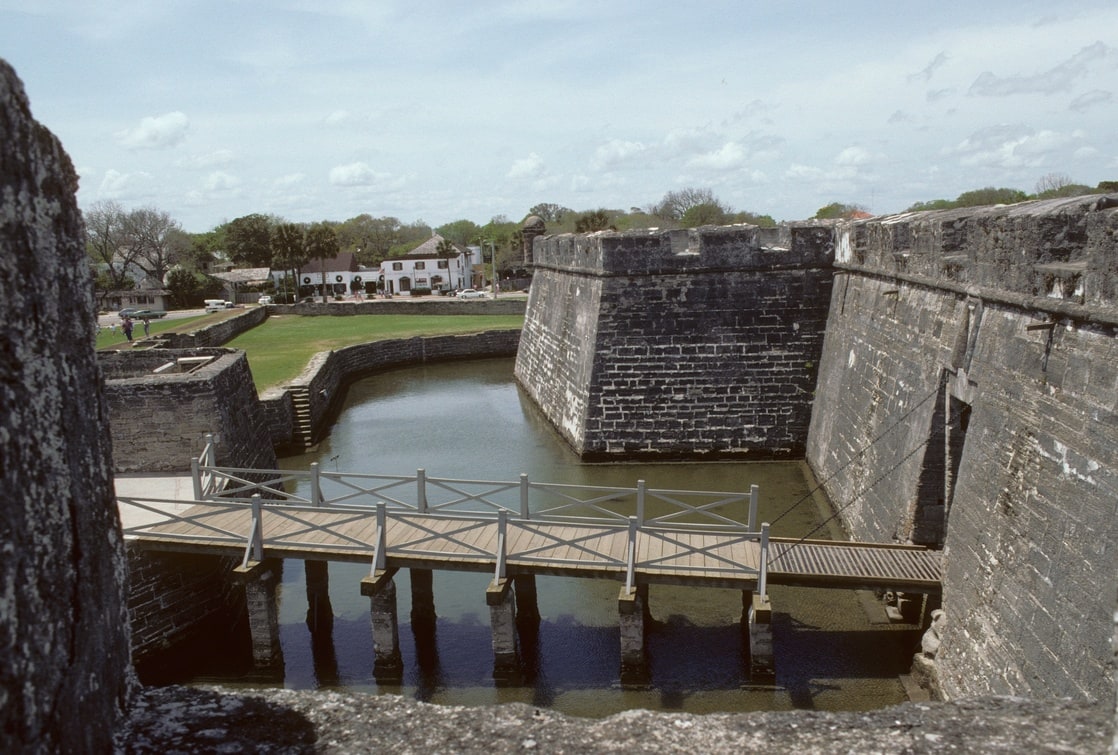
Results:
[679, 344]
[171, 595]
[970, 376]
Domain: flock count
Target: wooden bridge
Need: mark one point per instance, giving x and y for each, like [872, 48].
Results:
[515, 530]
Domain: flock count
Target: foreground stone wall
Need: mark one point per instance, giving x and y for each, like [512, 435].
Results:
[65, 676]
[159, 420]
[968, 398]
[682, 344]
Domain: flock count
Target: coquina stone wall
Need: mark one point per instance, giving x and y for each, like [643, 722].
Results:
[65, 676]
[967, 399]
[321, 386]
[682, 344]
[160, 417]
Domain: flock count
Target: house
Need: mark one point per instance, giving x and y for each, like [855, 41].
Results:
[426, 268]
[236, 280]
[148, 294]
[341, 275]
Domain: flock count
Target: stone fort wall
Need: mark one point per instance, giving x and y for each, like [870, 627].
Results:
[681, 344]
[967, 400]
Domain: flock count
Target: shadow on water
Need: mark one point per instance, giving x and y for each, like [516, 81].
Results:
[468, 420]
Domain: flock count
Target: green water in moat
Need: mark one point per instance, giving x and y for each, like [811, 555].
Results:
[469, 420]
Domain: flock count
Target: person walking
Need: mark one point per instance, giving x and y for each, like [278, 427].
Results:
[147, 327]
[126, 326]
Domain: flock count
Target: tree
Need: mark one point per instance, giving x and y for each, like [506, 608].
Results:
[1107, 186]
[676, 203]
[460, 231]
[157, 240]
[550, 212]
[1054, 185]
[594, 220]
[838, 210]
[447, 251]
[706, 213]
[190, 288]
[321, 243]
[990, 195]
[248, 240]
[107, 247]
[289, 251]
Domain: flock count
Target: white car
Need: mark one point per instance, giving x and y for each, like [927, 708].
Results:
[472, 293]
[265, 299]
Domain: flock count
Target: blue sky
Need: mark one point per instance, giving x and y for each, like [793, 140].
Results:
[319, 110]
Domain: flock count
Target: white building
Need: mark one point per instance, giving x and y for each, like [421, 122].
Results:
[425, 268]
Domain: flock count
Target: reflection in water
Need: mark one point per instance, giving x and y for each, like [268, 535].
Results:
[468, 420]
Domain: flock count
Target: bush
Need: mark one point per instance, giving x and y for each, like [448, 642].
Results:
[421, 292]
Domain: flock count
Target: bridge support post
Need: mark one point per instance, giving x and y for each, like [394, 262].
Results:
[527, 608]
[499, 596]
[762, 669]
[260, 580]
[422, 596]
[388, 665]
[320, 614]
[632, 610]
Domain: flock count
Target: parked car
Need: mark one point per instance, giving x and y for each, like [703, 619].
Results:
[140, 314]
[471, 293]
[265, 299]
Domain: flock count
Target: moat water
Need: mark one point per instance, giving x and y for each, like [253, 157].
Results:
[469, 420]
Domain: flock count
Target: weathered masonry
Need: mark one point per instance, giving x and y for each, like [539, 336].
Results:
[680, 344]
[967, 399]
[964, 397]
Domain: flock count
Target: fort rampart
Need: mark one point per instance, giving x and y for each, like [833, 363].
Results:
[680, 344]
[967, 399]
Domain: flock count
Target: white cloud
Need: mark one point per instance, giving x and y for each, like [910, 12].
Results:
[1012, 146]
[220, 181]
[338, 116]
[155, 132]
[355, 174]
[852, 156]
[291, 179]
[531, 166]
[117, 185]
[218, 157]
[1060, 78]
[1088, 100]
[729, 156]
[616, 152]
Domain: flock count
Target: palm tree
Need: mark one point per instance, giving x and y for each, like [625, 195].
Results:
[322, 244]
[446, 250]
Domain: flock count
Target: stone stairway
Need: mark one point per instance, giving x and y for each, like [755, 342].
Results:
[303, 432]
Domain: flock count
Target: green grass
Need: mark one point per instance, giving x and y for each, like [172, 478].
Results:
[279, 349]
[108, 339]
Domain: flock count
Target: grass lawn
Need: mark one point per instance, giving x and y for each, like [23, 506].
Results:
[108, 338]
[281, 346]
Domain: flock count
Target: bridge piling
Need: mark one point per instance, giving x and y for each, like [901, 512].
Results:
[500, 598]
[388, 664]
[320, 613]
[422, 596]
[260, 580]
[762, 669]
[633, 612]
[527, 607]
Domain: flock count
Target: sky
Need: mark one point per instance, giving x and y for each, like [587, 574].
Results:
[473, 109]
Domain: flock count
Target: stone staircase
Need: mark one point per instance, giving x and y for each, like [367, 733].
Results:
[303, 432]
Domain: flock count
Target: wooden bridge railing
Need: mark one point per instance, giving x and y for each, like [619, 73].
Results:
[577, 518]
[526, 499]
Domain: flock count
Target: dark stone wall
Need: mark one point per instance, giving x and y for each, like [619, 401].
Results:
[968, 399]
[173, 594]
[65, 677]
[700, 344]
[217, 333]
[159, 421]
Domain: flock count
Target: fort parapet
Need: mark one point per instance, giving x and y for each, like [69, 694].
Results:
[678, 344]
[967, 400]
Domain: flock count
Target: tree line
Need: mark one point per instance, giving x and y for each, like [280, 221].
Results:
[147, 239]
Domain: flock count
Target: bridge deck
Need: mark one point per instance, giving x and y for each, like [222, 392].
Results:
[664, 555]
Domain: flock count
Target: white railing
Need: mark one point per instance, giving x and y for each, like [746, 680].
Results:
[528, 500]
[580, 519]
